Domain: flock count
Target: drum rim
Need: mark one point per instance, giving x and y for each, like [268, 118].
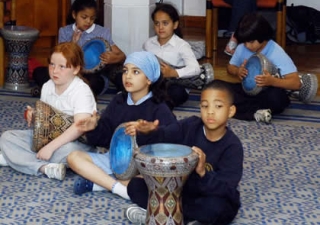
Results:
[264, 62]
[131, 164]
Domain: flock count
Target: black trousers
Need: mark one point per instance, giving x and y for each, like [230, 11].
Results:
[275, 99]
[205, 209]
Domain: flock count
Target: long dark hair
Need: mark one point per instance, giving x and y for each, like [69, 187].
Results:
[173, 14]
[79, 5]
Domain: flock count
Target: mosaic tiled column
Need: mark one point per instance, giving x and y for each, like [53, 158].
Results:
[18, 42]
[165, 168]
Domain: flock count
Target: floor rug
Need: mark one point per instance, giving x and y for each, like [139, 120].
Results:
[280, 183]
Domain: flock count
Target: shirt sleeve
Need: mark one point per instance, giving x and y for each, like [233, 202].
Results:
[63, 35]
[192, 67]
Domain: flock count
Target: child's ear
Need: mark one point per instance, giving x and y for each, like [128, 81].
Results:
[175, 25]
[149, 82]
[76, 70]
[232, 111]
[73, 15]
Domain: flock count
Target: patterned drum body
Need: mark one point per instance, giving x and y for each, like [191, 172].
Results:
[255, 65]
[198, 81]
[92, 50]
[18, 41]
[49, 123]
[165, 168]
[121, 154]
[308, 90]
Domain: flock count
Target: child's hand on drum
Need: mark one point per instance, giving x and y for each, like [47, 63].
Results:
[200, 169]
[266, 79]
[167, 70]
[88, 124]
[242, 71]
[143, 126]
[28, 113]
[108, 57]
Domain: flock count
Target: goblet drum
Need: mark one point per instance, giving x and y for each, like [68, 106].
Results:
[121, 154]
[18, 42]
[308, 90]
[92, 50]
[49, 123]
[165, 168]
[256, 65]
[198, 81]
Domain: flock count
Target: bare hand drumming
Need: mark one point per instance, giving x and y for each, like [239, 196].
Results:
[88, 124]
[143, 126]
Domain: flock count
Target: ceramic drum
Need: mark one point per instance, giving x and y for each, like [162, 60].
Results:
[256, 65]
[18, 42]
[165, 168]
[198, 81]
[121, 154]
[92, 50]
[49, 123]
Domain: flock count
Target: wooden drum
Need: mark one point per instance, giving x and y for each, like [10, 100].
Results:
[49, 123]
[165, 168]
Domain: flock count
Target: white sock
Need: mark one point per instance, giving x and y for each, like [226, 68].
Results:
[3, 162]
[120, 190]
[96, 187]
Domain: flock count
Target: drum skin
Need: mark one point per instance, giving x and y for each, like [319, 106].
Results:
[122, 148]
[165, 160]
[256, 65]
[92, 50]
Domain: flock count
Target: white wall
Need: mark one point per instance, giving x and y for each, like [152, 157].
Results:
[198, 7]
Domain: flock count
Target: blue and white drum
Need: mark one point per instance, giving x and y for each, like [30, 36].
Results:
[122, 147]
[256, 65]
[92, 50]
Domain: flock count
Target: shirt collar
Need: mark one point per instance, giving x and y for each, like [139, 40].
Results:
[87, 31]
[143, 99]
[172, 41]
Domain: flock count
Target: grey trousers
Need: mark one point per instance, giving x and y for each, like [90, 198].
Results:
[16, 145]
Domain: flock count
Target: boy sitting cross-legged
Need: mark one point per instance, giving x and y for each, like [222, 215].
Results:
[210, 194]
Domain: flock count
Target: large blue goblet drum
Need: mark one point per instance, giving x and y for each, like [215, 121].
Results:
[92, 50]
[122, 148]
[165, 168]
[18, 42]
[256, 65]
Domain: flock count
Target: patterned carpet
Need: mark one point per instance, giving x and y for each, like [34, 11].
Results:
[280, 184]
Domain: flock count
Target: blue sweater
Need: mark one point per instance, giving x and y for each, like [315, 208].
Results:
[224, 159]
[118, 112]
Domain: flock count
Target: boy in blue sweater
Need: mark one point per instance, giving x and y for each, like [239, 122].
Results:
[210, 194]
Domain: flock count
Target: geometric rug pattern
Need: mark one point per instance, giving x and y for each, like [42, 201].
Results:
[280, 183]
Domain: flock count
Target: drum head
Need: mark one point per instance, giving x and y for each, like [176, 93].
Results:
[254, 68]
[121, 154]
[92, 50]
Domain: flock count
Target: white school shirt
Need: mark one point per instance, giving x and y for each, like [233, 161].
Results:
[78, 97]
[177, 52]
